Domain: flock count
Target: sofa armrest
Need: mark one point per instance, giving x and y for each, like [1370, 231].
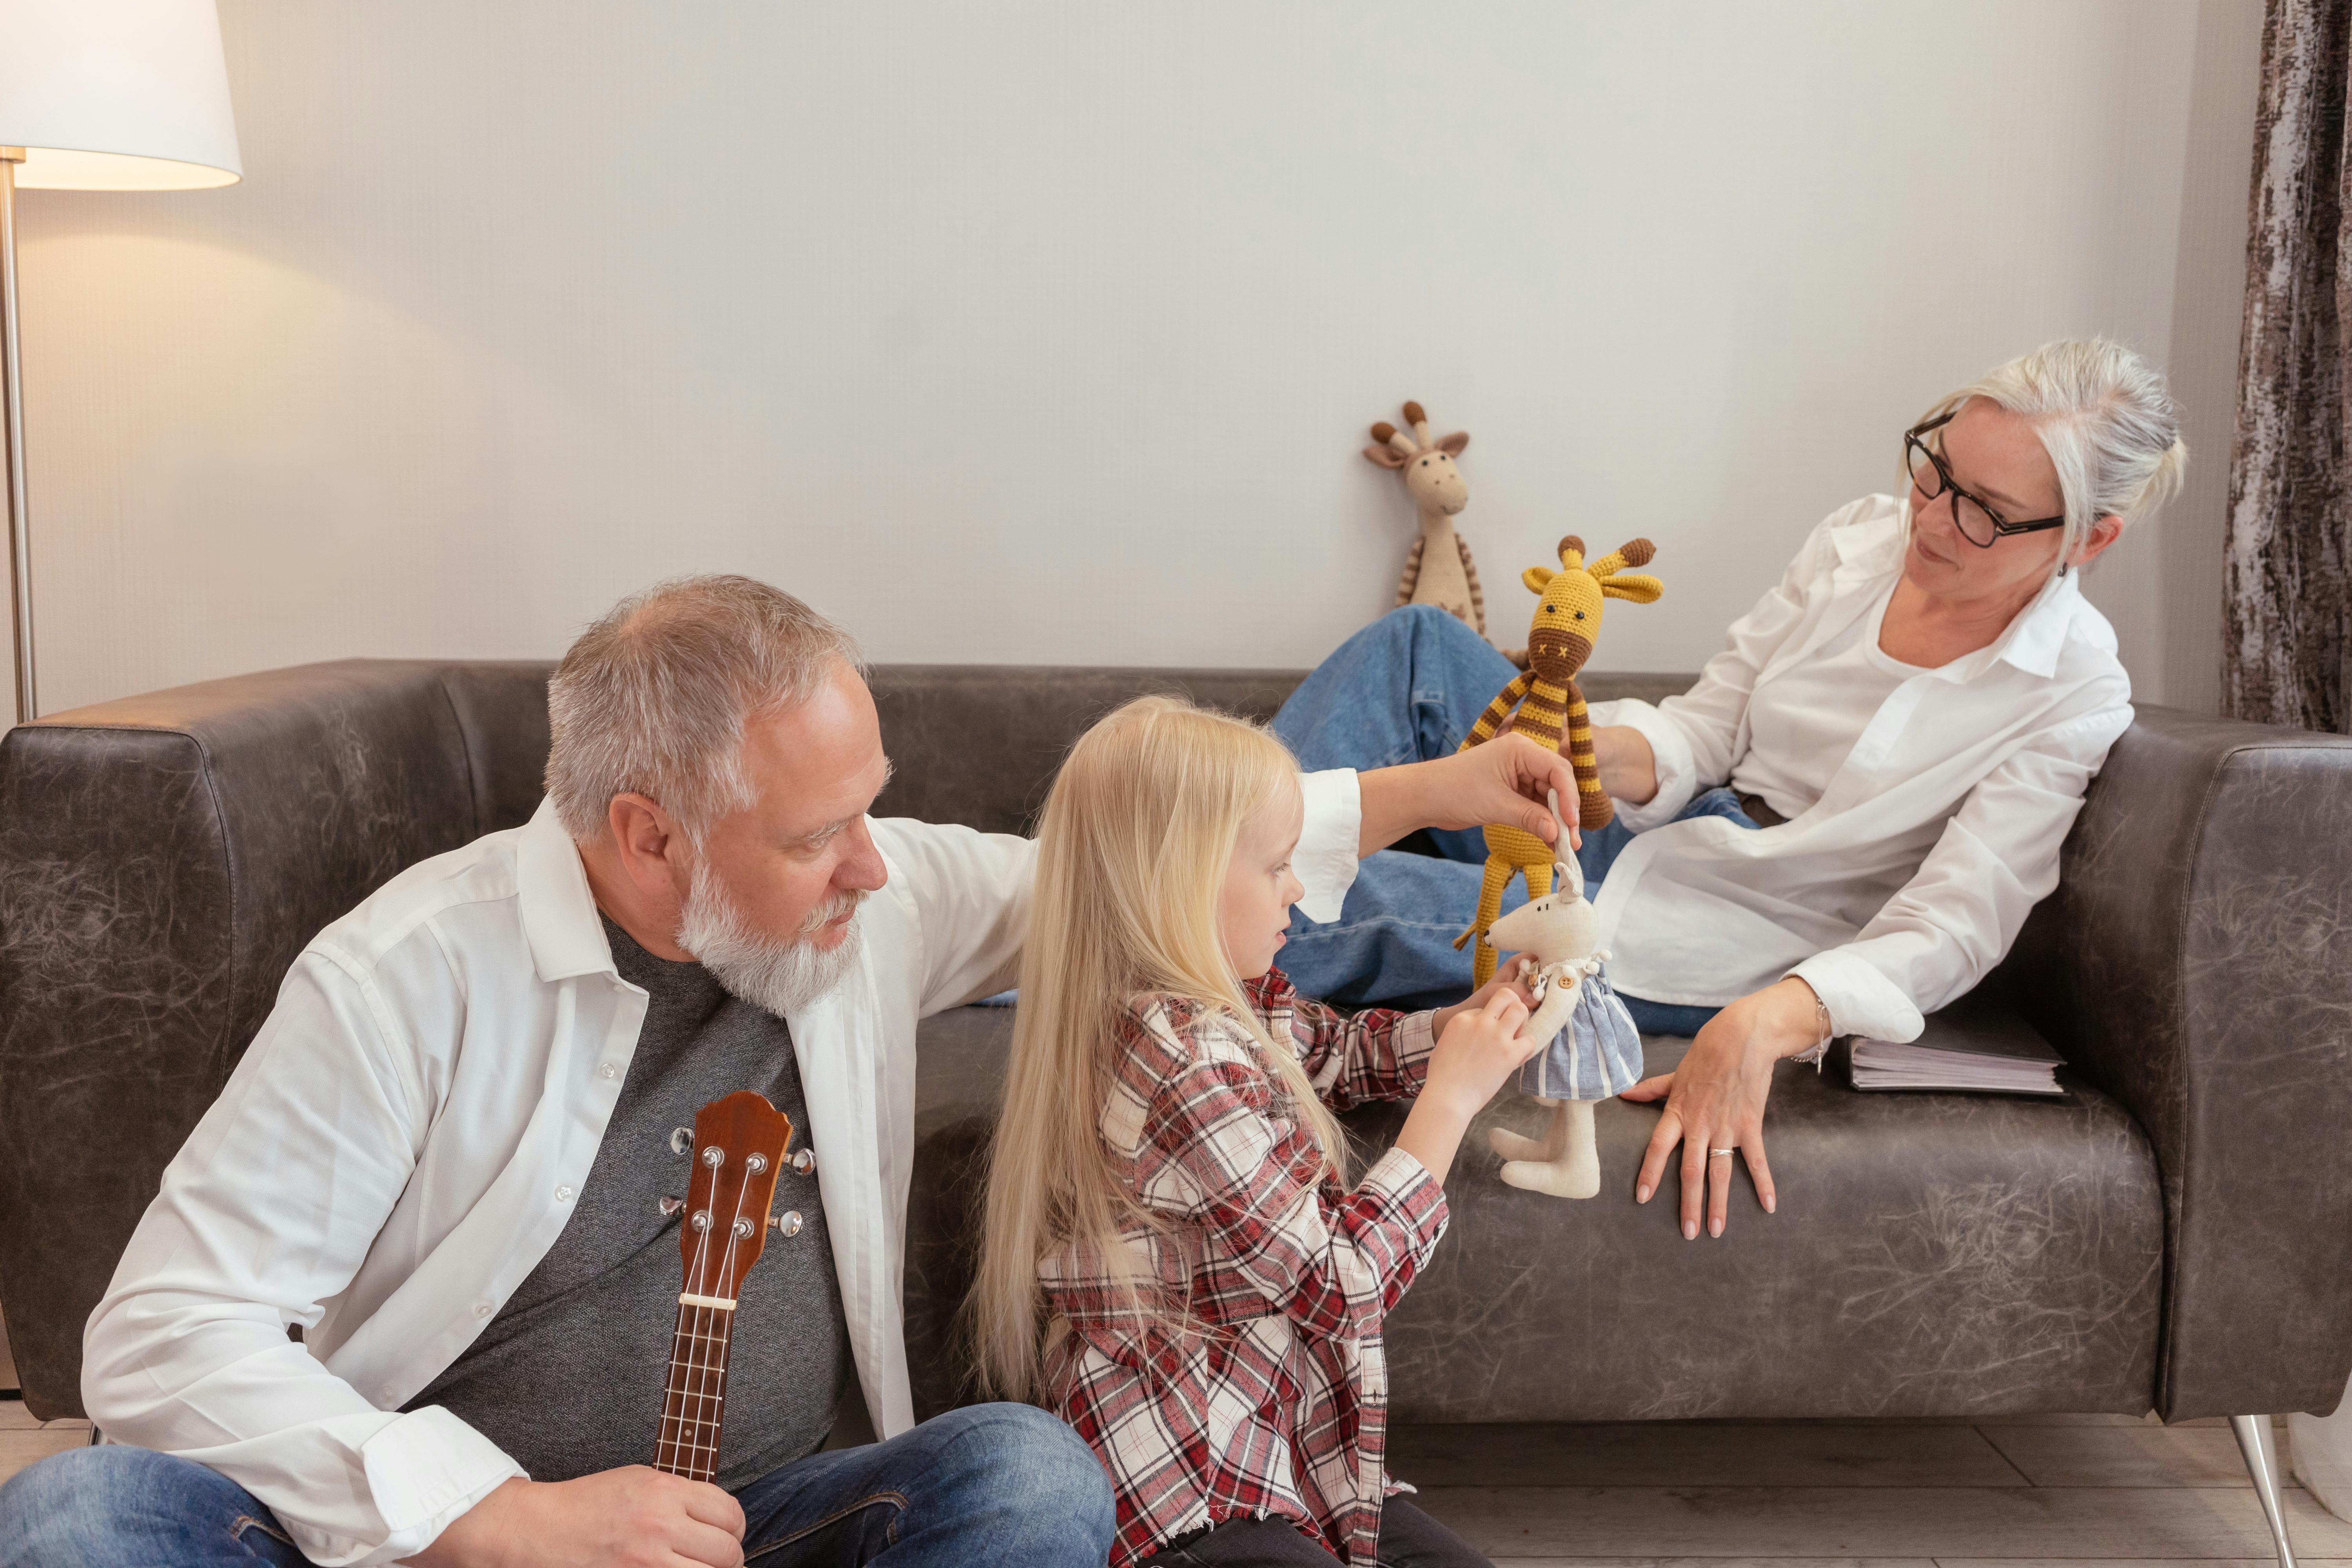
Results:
[2195, 963]
[162, 859]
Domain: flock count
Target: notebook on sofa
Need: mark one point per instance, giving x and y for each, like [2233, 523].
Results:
[1974, 1046]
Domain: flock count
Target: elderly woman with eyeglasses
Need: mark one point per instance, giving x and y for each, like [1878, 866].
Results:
[1843, 825]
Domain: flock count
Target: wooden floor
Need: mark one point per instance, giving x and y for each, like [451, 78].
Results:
[1811, 1494]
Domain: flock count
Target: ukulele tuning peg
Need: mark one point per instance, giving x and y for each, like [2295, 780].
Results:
[787, 1223]
[804, 1161]
[671, 1206]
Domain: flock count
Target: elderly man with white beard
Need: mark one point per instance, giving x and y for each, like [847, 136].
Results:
[444, 1154]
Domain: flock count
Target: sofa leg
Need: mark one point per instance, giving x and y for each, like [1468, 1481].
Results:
[2261, 1450]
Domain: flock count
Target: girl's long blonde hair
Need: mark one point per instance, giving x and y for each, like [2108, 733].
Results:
[1131, 862]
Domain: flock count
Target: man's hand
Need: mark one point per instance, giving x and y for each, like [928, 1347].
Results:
[631, 1518]
[1503, 781]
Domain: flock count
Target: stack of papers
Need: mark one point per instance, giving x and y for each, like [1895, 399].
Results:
[1882, 1064]
[1969, 1046]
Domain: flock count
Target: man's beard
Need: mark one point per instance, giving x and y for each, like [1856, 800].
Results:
[780, 976]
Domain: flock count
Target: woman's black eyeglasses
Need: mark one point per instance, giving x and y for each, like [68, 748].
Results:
[1978, 523]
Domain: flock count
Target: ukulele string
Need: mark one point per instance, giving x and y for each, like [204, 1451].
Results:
[689, 1330]
[731, 1290]
[706, 1317]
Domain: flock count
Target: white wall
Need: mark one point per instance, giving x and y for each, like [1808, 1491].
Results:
[1032, 331]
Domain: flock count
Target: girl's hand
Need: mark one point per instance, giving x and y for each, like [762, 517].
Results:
[1512, 978]
[1480, 1048]
[1715, 1099]
[1476, 1050]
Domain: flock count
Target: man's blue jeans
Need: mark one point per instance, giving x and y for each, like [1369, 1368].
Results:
[988, 1484]
[1407, 688]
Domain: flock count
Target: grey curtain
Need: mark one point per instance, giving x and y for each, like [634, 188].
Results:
[2287, 638]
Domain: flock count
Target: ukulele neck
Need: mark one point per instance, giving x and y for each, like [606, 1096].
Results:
[739, 1141]
[692, 1410]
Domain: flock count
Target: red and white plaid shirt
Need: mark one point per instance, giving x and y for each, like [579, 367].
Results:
[1276, 1402]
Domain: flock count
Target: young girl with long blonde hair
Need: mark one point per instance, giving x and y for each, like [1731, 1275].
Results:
[1175, 1260]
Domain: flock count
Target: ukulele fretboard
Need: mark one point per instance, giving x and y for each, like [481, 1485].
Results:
[692, 1410]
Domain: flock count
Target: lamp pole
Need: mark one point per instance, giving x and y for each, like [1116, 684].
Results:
[12, 407]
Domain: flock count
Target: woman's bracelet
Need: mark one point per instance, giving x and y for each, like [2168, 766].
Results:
[1818, 1050]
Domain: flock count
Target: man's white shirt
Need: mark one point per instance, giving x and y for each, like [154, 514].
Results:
[405, 1137]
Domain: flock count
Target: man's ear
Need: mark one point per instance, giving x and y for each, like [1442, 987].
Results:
[1386, 457]
[1454, 446]
[1638, 586]
[649, 843]
[1537, 578]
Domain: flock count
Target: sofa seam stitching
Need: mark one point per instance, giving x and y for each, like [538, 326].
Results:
[2174, 1261]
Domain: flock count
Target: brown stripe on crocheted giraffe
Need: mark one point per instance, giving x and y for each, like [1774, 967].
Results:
[1546, 699]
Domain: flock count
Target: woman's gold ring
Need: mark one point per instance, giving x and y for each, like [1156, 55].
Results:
[1727, 1152]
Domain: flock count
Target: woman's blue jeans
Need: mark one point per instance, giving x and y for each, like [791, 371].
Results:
[1407, 688]
[987, 1484]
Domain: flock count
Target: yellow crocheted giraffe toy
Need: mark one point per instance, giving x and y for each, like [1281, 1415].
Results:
[1567, 624]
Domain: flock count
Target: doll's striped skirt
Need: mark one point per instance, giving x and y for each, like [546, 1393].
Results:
[1596, 1054]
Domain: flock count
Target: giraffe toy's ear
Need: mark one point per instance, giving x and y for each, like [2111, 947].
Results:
[1386, 457]
[1537, 578]
[1567, 874]
[1454, 446]
[1572, 553]
[1638, 586]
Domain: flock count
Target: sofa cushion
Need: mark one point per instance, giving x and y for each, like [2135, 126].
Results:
[1934, 1254]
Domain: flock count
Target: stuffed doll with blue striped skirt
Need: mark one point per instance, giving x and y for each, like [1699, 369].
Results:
[1595, 1051]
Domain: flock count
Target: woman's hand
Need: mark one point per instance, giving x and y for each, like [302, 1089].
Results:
[1715, 1099]
[1629, 768]
[1478, 1049]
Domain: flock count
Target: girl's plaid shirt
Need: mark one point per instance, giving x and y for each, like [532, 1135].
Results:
[1275, 1401]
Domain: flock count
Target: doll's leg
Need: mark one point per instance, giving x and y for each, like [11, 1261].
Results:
[1580, 1160]
[1539, 1158]
[1512, 1146]
[1571, 1169]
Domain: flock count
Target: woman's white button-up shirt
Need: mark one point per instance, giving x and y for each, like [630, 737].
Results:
[1906, 880]
[398, 1147]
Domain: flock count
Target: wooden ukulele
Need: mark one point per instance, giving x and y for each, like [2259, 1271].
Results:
[739, 1144]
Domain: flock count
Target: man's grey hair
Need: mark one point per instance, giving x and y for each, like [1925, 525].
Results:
[654, 696]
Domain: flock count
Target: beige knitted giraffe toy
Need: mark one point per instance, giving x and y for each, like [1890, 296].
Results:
[1567, 624]
[1439, 570]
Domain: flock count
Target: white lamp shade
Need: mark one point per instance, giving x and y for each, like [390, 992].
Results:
[116, 95]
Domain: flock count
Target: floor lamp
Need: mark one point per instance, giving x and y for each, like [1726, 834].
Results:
[95, 95]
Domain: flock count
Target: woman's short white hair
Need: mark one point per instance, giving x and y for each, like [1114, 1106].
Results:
[2104, 417]
[653, 697]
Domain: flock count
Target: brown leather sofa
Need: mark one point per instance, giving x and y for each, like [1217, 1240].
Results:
[2173, 1234]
